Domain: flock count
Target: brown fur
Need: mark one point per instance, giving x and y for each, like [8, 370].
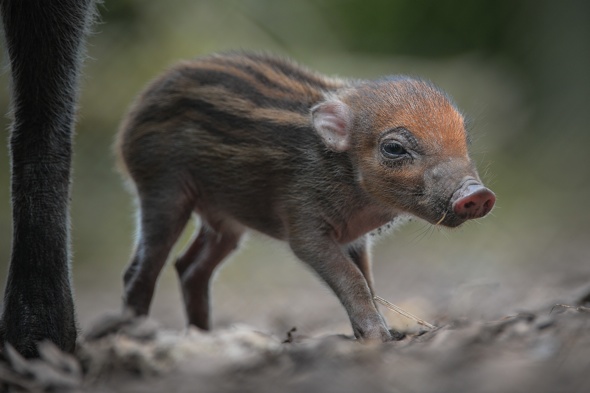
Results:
[250, 141]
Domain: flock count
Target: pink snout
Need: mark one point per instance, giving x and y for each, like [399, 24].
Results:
[473, 200]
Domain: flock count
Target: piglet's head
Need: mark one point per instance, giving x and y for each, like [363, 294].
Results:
[408, 143]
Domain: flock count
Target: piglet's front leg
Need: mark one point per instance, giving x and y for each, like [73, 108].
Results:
[335, 267]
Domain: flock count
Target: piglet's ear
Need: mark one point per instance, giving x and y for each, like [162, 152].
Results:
[332, 120]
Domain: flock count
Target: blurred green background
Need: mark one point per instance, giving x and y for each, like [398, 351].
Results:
[518, 69]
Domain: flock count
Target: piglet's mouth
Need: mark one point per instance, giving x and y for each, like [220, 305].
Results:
[470, 201]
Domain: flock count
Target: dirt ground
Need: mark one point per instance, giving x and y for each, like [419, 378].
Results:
[512, 315]
[541, 350]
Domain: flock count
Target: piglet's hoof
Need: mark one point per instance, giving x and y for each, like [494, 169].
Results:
[381, 335]
[122, 323]
[373, 333]
[396, 336]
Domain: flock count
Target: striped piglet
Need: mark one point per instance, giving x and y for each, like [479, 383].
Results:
[252, 141]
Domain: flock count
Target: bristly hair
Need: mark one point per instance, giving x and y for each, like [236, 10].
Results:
[426, 82]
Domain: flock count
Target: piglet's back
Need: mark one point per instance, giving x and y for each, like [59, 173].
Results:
[220, 104]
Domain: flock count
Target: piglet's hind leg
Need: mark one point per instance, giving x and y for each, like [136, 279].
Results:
[196, 266]
[161, 222]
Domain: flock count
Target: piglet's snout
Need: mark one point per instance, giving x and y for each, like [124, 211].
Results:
[473, 200]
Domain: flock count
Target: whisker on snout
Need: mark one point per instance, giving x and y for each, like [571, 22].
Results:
[439, 227]
[441, 219]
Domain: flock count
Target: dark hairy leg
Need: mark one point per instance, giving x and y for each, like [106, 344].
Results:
[44, 41]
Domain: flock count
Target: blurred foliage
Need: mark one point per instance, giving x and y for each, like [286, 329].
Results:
[422, 28]
[519, 69]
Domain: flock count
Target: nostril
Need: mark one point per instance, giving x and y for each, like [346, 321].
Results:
[474, 204]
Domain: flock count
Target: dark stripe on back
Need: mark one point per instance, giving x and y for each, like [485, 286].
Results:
[292, 71]
[237, 85]
[258, 74]
[233, 129]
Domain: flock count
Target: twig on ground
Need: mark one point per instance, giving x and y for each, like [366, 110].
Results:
[406, 314]
[577, 308]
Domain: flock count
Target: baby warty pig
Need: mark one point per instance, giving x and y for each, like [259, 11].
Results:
[252, 141]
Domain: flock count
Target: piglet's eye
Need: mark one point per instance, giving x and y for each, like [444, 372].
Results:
[393, 150]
